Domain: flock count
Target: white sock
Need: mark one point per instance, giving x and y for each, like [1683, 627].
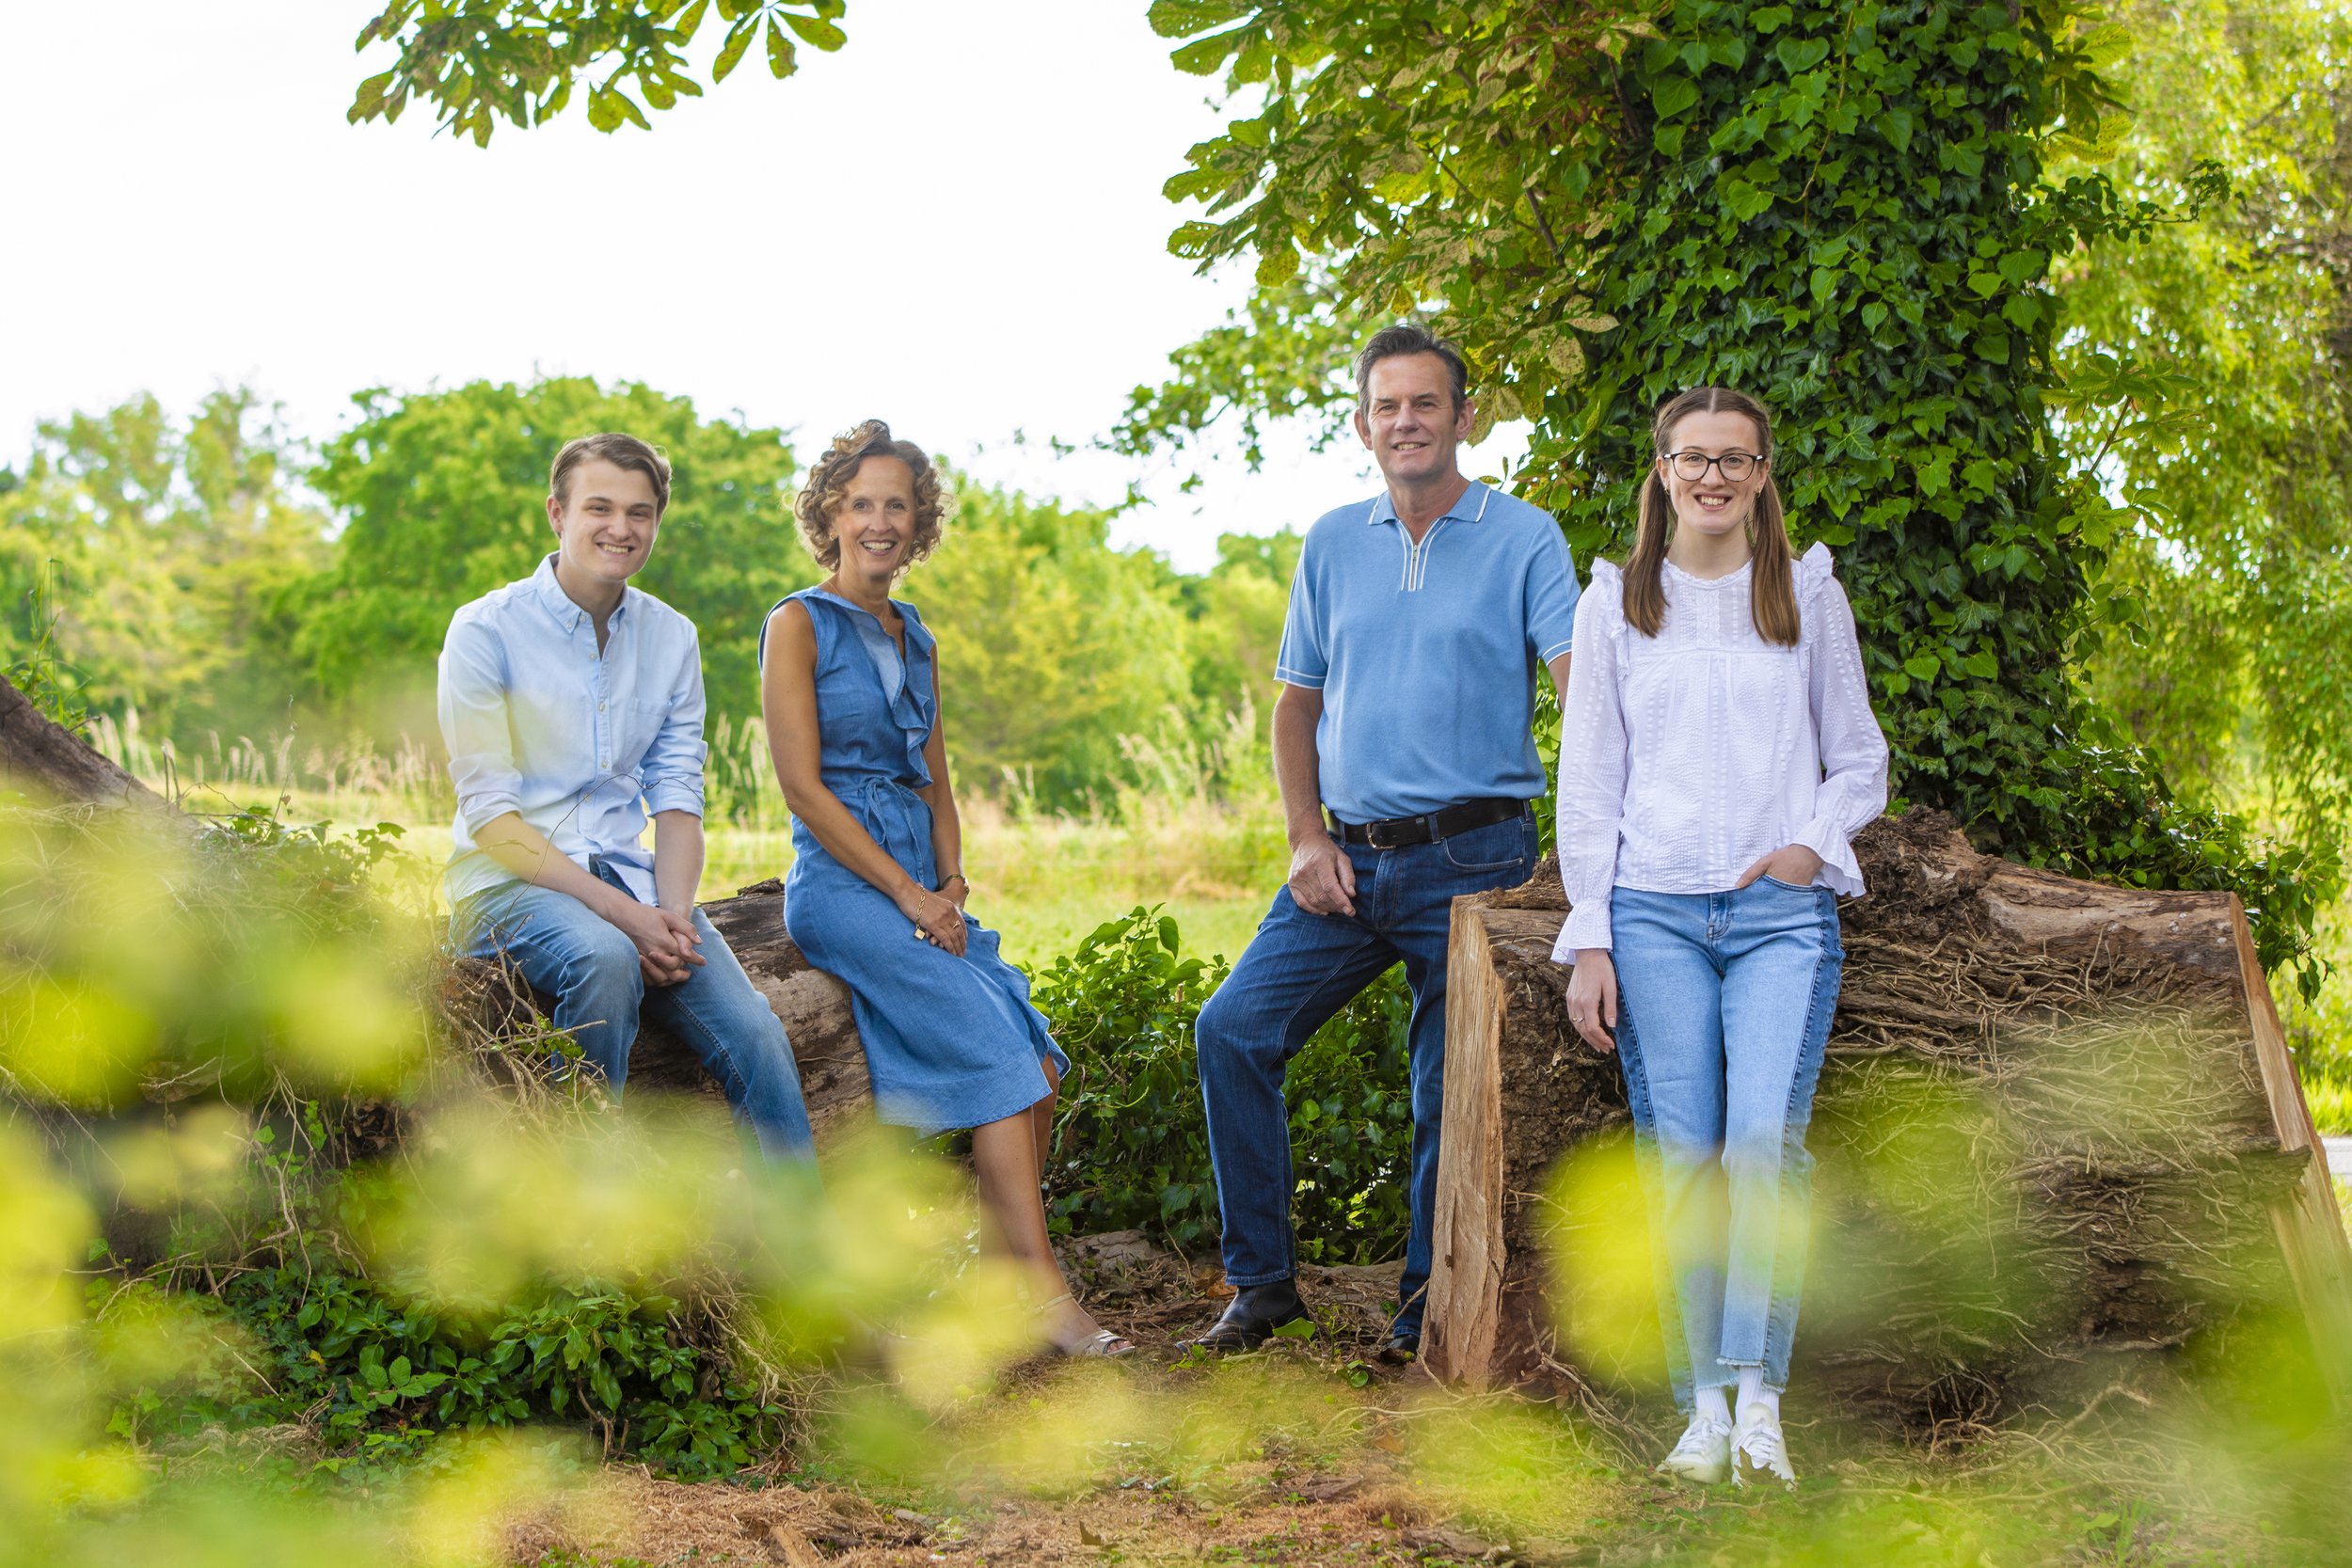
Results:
[1752, 1393]
[1710, 1405]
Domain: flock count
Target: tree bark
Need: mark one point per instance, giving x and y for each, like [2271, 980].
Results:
[43, 759]
[2097, 1076]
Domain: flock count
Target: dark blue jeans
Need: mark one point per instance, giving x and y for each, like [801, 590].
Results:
[588, 966]
[1297, 973]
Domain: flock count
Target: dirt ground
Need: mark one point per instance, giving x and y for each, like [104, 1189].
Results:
[1348, 1499]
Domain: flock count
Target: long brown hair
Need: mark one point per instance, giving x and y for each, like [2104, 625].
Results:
[1771, 595]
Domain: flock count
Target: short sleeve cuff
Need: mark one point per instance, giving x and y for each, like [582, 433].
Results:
[684, 795]
[1563, 645]
[1290, 676]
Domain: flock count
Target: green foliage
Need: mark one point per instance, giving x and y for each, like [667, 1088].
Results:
[1131, 1137]
[2235, 671]
[1055, 648]
[481, 61]
[40, 671]
[1840, 207]
[382, 1376]
[445, 495]
[149, 556]
[1282, 354]
[1237, 612]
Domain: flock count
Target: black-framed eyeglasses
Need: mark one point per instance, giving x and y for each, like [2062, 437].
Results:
[1733, 465]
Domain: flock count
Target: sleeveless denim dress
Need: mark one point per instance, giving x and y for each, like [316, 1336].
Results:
[949, 1042]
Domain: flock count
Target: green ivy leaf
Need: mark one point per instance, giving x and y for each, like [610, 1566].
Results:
[1673, 95]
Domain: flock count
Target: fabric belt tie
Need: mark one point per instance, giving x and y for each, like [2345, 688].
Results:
[1396, 832]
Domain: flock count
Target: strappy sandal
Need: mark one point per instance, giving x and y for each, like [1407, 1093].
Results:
[1102, 1345]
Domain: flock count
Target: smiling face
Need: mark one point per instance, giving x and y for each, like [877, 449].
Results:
[604, 522]
[1409, 420]
[1711, 504]
[875, 521]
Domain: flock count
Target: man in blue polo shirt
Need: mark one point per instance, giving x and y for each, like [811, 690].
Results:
[1403, 747]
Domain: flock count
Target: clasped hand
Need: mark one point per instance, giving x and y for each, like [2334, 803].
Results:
[665, 941]
[938, 916]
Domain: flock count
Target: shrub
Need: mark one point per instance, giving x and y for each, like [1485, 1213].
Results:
[1131, 1139]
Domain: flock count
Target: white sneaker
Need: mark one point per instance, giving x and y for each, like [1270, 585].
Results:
[1758, 1449]
[1702, 1457]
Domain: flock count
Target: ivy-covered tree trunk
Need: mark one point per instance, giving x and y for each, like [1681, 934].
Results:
[1841, 209]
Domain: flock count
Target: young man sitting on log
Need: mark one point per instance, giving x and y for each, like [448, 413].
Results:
[1417, 622]
[572, 704]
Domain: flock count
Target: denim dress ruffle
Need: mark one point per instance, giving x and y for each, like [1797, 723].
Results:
[949, 1041]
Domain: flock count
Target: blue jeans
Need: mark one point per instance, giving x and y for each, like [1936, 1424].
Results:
[1725, 1002]
[566, 951]
[1297, 973]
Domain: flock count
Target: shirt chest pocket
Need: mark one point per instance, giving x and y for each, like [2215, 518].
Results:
[635, 724]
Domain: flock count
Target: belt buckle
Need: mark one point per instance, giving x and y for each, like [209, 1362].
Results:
[1376, 833]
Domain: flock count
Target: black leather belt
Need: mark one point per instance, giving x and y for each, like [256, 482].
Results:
[1396, 832]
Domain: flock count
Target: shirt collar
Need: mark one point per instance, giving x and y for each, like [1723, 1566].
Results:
[1468, 508]
[559, 604]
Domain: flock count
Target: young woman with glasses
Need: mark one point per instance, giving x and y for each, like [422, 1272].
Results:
[1718, 754]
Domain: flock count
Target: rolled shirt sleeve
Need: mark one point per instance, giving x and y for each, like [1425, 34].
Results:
[1551, 595]
[1853, 791]
[1302, 659]
[472, 701]
[673, 767]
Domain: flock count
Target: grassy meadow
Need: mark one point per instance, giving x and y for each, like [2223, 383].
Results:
[1043, 879]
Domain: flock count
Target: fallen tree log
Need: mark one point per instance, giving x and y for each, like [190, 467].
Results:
[814, 1006]
[43, 759]
[2058, 1130]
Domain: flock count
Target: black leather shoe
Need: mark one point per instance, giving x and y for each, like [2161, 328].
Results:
[1402, 1345]
[1252, 1317]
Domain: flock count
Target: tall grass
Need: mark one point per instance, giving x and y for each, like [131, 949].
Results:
[1191, 825]
[1196, 826]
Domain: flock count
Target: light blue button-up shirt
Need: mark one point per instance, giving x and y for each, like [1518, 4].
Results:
[584, 745]
[1427, 653]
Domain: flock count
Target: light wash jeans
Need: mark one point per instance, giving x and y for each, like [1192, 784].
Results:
[1725, 1002]
[587, 967]
[1299, 971]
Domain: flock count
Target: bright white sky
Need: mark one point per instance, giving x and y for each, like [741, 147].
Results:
[954, 223]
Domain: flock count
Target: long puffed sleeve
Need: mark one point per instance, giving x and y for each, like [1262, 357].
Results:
[1593, 764]
[1853, 792]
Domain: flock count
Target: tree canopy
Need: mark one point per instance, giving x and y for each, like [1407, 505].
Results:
[2237, 665]
[480, 61]
[444, 495]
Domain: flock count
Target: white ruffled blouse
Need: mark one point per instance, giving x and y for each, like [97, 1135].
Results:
[1687, 757]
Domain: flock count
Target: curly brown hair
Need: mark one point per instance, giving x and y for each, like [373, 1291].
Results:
[829, 485]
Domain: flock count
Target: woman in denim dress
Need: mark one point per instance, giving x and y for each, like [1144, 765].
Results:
[1718, 753]
[849, 685]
